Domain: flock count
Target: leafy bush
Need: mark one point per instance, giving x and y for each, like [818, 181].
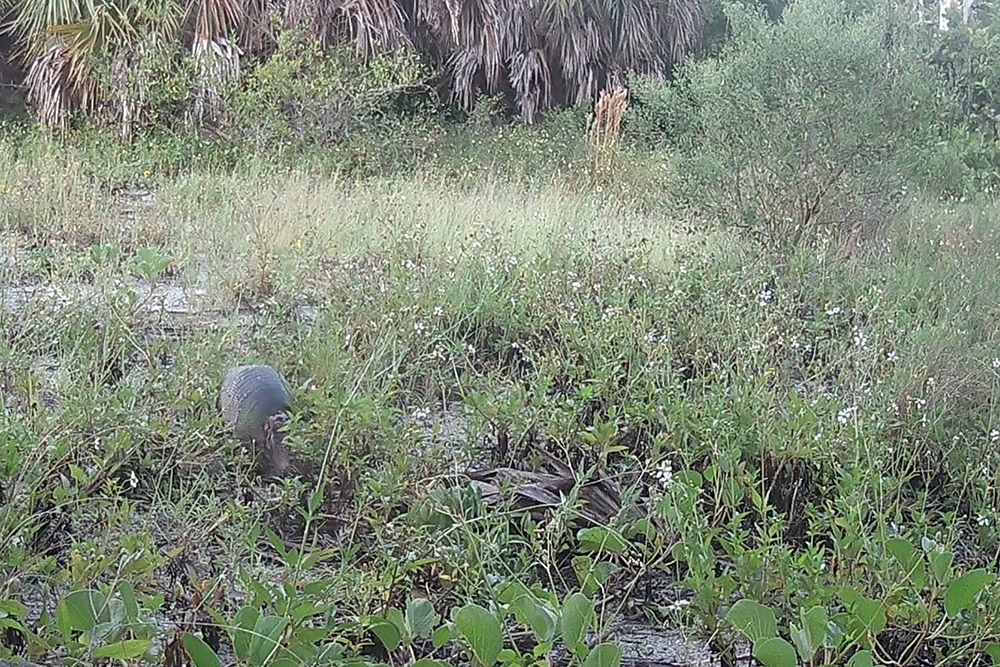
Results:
[967, 60]
[798, 126]
[302, 94]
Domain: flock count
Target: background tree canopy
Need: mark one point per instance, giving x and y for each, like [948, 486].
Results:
[541, 53]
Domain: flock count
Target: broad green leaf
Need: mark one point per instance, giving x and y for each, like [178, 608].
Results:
[834, 635]
[311, 636]
[83, 610]
[428, 662]
[993, 650]
[642, 527]
[810, 636]
[127, 594]
[592, 575]
[604, 655]
[861, 659]
[867, 613]
[871, 613]
[201, 653]
[388, 634]
[577, 615]
[305, 610]
[536, 615]
[482, 630]
[774, 652]
[512, 590]
[690, 477]
[962, 591]
[395, 617]
[848, 595]
[127, 649]
[542, 649]
[420, 618]
[441, 636]
[242, 634]
[267, 634]
[909, 560]
[802, 640]
[329, 653]
[315, 557]
[754, 620]
[599, 538]
[940, 564]
[508, 657]
[13, 608]
[901, 550]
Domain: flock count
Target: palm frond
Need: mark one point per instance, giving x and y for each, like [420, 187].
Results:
[106, 28]
[217, 61]
[684, 21]
[54, 90]
[374, 24]
[215, 18]
[32, 19]
[532, 80]
[464, 64]
[578, 44]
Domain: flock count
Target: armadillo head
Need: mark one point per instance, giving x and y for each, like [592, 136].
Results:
[274, 446]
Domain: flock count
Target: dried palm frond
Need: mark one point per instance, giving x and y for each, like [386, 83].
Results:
[534, 491]
[261, 21]
[464, 64]
[531, 79]
[53, 89]
[217, 62]
[130, 83]
[215, 18]
[638, 34]
[684, 20]
[373, 24]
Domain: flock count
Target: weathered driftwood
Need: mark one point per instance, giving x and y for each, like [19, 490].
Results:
[536, 491]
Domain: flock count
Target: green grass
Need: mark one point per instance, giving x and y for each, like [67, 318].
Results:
[811, 410]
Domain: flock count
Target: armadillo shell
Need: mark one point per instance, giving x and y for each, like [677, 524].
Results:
[249, 395]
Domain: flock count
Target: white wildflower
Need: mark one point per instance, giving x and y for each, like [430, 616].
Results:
[860, 339]
[664, 473]
[678, 605]
[844, 416]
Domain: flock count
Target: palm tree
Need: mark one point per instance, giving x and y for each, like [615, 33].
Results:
[64, 42]
[545, 52]
[556, 51]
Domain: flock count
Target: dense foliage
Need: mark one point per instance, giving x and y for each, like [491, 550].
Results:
[708, 347]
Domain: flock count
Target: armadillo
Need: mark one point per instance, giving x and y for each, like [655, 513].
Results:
[255, 402]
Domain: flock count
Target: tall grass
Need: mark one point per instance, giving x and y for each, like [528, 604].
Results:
[828, 404]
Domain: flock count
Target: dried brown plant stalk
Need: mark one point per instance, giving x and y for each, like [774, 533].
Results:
[605, 131]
